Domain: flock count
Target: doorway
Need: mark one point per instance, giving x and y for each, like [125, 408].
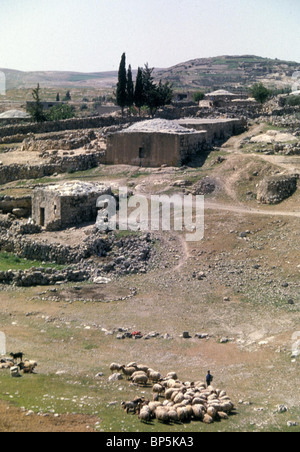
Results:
[42, 217]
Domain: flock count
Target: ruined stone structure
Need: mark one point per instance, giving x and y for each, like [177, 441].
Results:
[59, 206]
[161, 142]
[154, 143]
[275, 189]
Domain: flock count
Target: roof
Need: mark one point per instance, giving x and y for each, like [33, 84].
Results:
[158, 126]
[220, 92]
[75, 188]
[11, 114]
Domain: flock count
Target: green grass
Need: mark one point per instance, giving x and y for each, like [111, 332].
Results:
[9, 261]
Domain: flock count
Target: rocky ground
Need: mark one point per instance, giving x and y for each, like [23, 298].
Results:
[236, 293]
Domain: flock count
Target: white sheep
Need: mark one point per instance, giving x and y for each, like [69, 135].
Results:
[154, 376]
[128, 371]
[142, 367]
[145, 414]
[162, 415]
[14, 372]
[157, 388]
[172, 375]
[27, 366]
[138, 372]
[198, 412]
[115, 367]
[140, 380]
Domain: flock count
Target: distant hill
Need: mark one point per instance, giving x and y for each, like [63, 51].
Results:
[23, 80]
[224, 72]
[229, 72]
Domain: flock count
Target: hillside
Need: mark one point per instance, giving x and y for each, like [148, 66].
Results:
[231, 72]
[234, 72]
[24, 80]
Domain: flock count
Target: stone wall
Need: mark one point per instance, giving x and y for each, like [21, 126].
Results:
[43, 251]
[67, 124]
[82, 162]
[216, 129]
[10, 204]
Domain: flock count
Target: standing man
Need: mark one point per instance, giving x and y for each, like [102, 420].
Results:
[209, 378]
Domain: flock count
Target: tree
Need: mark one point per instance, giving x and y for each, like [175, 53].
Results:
[139, 90]
[67, 97]
[198, 96]
[260, 93]
[121, 94]
[61, 112]
[130, 88]
[36, 109]
[155, 96]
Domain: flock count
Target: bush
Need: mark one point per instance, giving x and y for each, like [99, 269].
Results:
[60, 112]
[293, 101]
[198, 96]
[260, 93]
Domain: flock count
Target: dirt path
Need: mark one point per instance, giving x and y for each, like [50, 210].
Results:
[248, 210]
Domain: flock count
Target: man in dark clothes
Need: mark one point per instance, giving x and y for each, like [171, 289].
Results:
[209, 378]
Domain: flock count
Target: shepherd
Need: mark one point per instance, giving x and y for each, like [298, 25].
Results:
[209, 378]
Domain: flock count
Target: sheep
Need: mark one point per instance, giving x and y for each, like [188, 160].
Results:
[145, 415]
[140, 380]
[198, 412]
[27, 366]
[183, 414]
[14, 372]
[155, 397]
[172, 375]
[137, 373]
[128, 371]
[207, 419]
[154, 376]
[157, 388]
[115, 367]
[211, 412]
[179, 398]
[133, 364]
[6, 365]
[173, 416]
[162, 415]
[142, 367]
[154, 405]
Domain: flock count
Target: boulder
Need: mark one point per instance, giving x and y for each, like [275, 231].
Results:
[275, 189]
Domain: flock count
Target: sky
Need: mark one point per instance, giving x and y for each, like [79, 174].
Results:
[91, 35]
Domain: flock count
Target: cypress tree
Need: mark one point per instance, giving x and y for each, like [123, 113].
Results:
[139, 90]
[130, 87]
[121, 94]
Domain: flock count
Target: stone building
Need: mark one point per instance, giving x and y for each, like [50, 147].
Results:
[162, 142]
[57, 207]
[154, 143]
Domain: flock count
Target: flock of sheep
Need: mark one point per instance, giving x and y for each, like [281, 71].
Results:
[26, 366]
[174, 400]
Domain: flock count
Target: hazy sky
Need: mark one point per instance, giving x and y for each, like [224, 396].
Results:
[91, 35]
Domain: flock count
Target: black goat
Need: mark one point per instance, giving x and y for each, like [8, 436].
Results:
[16, 356]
